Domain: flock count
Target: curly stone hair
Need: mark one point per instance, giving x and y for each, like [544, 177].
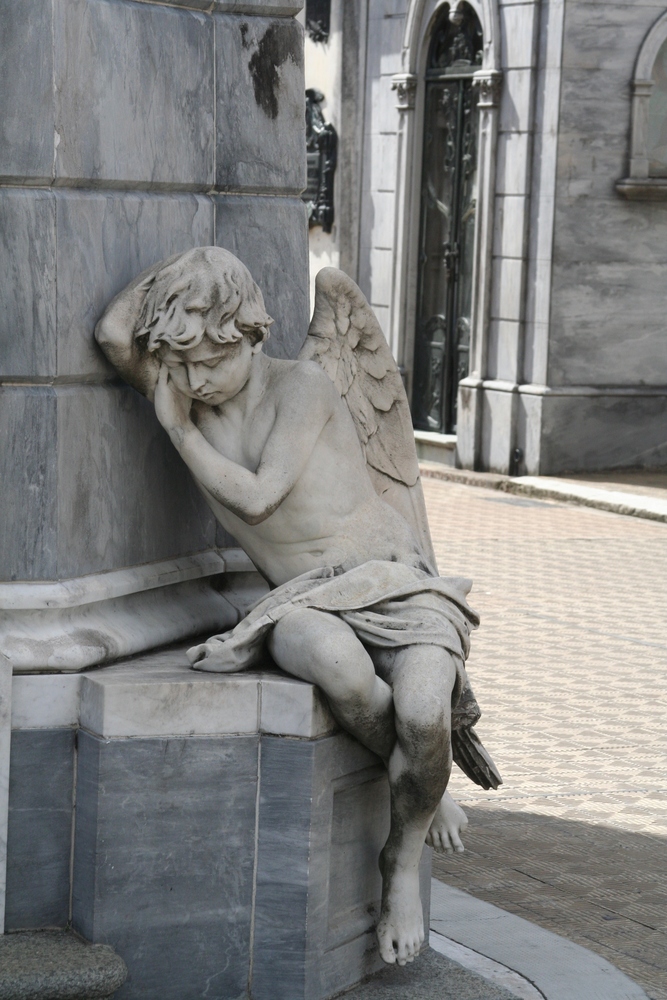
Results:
[212, 282]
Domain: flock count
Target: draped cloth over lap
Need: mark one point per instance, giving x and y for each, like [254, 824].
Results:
[387, 604]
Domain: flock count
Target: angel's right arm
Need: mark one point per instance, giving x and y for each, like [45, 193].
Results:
[115, 335]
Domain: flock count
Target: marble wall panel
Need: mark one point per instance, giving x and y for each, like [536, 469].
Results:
[260, 104]
[134, 93]
[28, 283]
[497, 410]
[125, 496]
[503, 349]
[517, 35]
[28, 483]
[506, 288]
[151, 878]
[389, 31]
[513, 163]
[590, 165]
[6, 691]
[382, 115]
[378, 218]
[283, 869]
[609, 230]
[515, 100]
[384, 161]
[25, 41]
[509, 225]
[595, 103]
[381, 275]
[602, 432]
[605, 38]
[608, 324]
[104, 241]
[270, 236]
[41, 791]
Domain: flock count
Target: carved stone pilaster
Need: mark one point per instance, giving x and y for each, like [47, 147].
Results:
[488, 84]
[405, 85]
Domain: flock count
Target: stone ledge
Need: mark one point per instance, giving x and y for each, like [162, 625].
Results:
[159, 695]
[57, 965]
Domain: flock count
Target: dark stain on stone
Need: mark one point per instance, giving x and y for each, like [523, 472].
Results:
[244, 35]
[278, 44]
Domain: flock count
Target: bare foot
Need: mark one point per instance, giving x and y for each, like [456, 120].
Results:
[448, 824]
[400, 930]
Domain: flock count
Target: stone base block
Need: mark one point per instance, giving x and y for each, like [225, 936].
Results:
[227, 834]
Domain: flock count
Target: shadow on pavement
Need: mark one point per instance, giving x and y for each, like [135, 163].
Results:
[602, 887]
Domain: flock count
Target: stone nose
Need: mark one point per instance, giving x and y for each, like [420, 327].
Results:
[196, 380]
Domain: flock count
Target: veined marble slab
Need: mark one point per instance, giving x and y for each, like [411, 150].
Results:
[5, 735]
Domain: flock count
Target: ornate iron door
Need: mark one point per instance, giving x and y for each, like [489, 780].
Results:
[447, 231]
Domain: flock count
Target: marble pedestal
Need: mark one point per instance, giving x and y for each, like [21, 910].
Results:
[226, 835]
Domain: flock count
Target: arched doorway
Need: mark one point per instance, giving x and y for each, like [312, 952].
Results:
[447, 218]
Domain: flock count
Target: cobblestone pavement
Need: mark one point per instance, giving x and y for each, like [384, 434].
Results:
[570, 667]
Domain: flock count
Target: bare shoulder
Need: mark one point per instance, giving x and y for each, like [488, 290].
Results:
[305, 379]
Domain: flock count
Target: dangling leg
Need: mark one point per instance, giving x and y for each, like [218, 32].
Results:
[422, 679]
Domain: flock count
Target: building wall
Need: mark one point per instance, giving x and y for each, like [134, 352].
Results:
[130, 132]
[573, 365]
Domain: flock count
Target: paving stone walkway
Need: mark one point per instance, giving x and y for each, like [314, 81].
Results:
[570, 667]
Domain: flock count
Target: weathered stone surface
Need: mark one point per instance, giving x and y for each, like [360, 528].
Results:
[5, 746]
[26, 41]
[276, 8]
[599, 302]
[56, 965]
[315, 918]
[28, 478]
[104, 240]
[164, 855]
[134, 93]
[603, 432]
[260, 104]
[270, 235]
[41, 796]
[28, 281]
[112, 455]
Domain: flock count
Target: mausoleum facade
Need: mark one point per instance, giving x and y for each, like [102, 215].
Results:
[500, 198]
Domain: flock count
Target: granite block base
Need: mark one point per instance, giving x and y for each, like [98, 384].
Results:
[56, 965]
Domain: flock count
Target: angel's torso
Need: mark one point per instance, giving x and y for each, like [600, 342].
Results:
[332, 516]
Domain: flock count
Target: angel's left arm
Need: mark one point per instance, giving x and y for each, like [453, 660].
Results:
[306, 404]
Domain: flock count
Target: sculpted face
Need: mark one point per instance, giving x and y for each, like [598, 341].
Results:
[204, 318]
[210, 373]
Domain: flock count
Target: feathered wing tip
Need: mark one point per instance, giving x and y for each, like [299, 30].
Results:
[474, 760]
[347, 342]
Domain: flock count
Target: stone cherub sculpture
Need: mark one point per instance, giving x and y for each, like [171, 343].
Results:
[311, 465]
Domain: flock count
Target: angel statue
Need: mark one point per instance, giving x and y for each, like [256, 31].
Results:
[311, 465]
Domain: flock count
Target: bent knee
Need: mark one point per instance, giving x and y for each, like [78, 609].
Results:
[326, 651]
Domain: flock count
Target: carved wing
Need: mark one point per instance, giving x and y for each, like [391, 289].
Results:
[345, 339]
